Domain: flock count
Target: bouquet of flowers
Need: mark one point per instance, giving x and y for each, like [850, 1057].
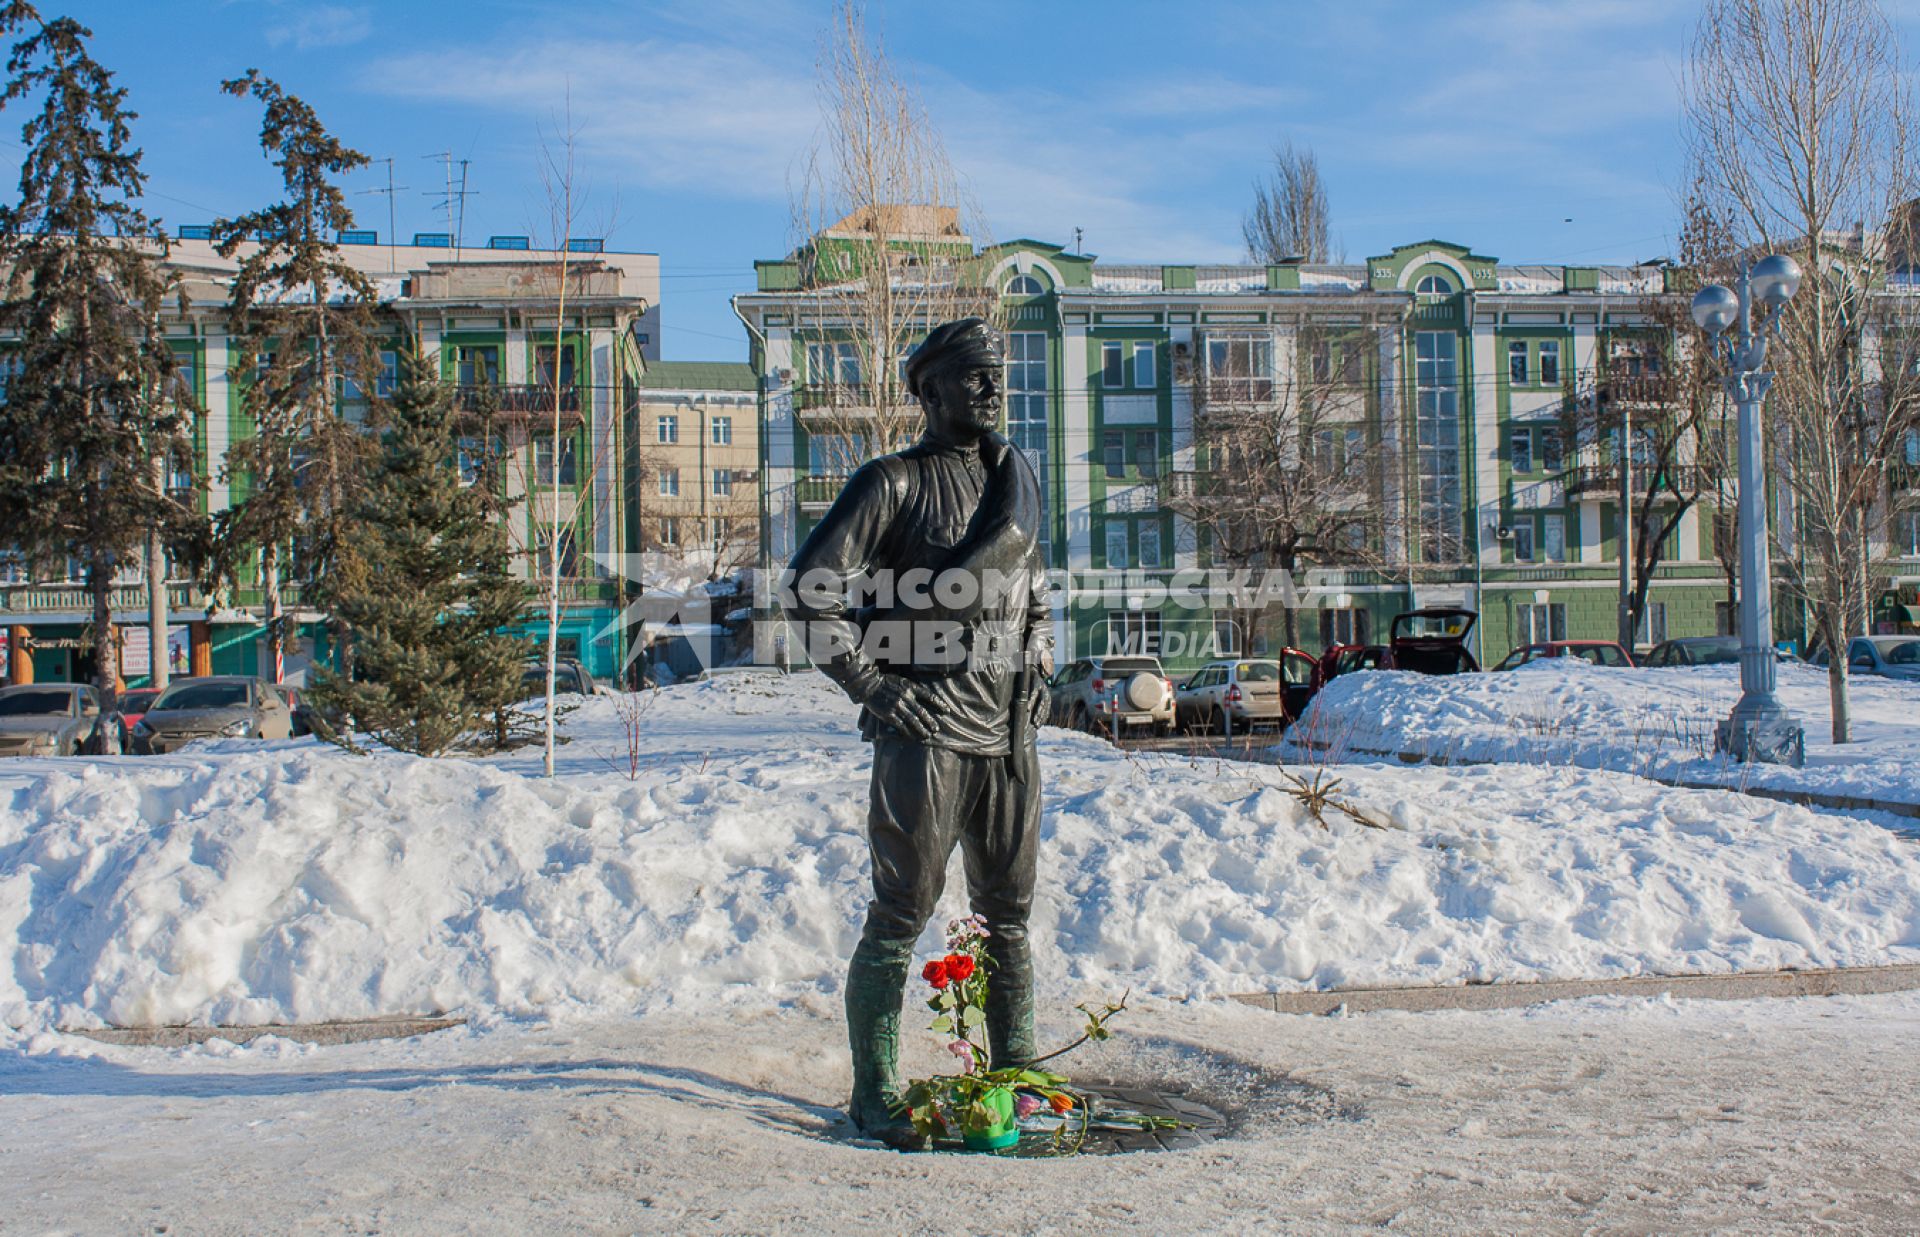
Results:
[978, 1104]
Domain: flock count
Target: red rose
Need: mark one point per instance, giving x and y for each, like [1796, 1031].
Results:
[959, 966]
[1061, 1104]
[935, 973]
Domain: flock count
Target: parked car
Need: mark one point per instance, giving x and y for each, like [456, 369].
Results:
[1339, 659]
[1893, 657]
[568, 677]
[1432, 641]
[1238, 695]
[133, 704]
[230, 706]
[1109, 693]
[56, 719]
[1598, 652]
[1695, 651]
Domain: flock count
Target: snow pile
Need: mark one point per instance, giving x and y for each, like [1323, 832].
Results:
[1653, 722]
[250, 883]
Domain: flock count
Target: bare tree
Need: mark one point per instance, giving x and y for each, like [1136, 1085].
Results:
[1655, 406]
[1798, 115]
[1290, 471]
[884, 236]
[1289, 218]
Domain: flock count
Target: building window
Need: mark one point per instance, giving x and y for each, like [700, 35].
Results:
[833, 455]
[1653, 624]
[1027, 412]
[1434, 285]
[1024, 285]
[1146, 453]
[1523, 541]
[833, 364]
[1135, 632]
[1520, 450]
[1239, 367]
[1905, 535]
[1150, 544]
[470, 457]
[1348, 626]
[669, 483]
[1113, 445]
[666, 428]
[1551, 457]
[1549, 363]
[1553, 537]
[670, 530]
[722, 482]
[1517, 363]
[1226, 638]
[569, 561]
[1437, 425]
[477, 365]
[389, 380]
[1542, 622]
[1117, 543]
[1111, 375]
[1143, 371]
[543, 470]
[1726, 618]
[543, 366]
[720, 430]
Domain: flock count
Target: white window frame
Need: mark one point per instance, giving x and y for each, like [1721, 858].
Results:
[1113, 369]
[1518, 348]
[720, 430]
[1149, 539]
[1117, 537]
[1145, 372]
[668, 483]
[666, 428]
[722, 482]
[1549, 350]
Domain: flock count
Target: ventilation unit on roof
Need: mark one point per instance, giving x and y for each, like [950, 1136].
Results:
[433, 240]
[196, 231]
[586, 244]
[359, 236]
[508, 242]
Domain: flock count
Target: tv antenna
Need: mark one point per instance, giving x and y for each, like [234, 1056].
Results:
[1077, 234]
[393, 235]
[453, 202]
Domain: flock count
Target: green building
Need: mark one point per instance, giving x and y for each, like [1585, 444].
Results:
[1459, 381]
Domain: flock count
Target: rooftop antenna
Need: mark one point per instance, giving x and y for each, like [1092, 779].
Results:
[1077, 234]
[454, 200]
[390, 190]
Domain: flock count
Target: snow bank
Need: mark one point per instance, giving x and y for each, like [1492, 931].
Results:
[244, 883]
[1653, 722]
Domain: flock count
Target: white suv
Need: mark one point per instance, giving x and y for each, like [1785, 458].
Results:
[1108, 693]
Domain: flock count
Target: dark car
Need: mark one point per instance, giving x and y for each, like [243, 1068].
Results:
[1432, 641]
[1695, 651]
[568, 676]
[1597, 652]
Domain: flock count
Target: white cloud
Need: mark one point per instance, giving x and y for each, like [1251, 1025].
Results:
[321, 25]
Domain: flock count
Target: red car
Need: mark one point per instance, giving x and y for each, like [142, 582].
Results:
[1599, 652]
[1342, 659]
[1432, 641]
[132, 704]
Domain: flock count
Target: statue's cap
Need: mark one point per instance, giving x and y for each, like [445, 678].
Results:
[968, 341]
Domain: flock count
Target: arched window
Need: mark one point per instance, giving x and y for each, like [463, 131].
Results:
[1434, 285]
[1024, 285]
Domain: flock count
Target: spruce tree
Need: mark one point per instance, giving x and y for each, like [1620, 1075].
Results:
[426, 589]
[89, 411]
[303, 322]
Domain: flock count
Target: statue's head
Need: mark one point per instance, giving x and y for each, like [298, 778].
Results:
[956, 376]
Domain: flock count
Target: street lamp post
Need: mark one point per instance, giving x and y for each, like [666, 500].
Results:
[1760, 728]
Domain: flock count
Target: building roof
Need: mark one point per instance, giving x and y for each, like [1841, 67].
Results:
[699, 376]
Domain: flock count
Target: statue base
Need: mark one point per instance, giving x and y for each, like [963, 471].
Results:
[1761, 734]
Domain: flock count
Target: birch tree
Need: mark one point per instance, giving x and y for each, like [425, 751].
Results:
[1289, 219]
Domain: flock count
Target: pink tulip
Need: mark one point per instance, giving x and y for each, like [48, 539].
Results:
[1025, 1105]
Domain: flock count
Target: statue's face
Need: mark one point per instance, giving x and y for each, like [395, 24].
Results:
[966, 401]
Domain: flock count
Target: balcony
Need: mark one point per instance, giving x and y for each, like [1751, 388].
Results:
[1228, 396]
[74, 597]
[816, 494]
[1650, 389]
[834, 401]
[1904, 479]
[517, 401]
[1599, 481]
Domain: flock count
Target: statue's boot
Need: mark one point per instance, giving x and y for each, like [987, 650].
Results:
[876, 979]
[1010, 1036]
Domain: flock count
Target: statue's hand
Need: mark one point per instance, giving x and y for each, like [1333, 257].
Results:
[1039, 706]
[904, 705]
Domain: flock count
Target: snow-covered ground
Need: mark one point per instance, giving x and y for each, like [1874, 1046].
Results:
[246, 883]
[651, 954]
[1597, 1116]
[1655, 722]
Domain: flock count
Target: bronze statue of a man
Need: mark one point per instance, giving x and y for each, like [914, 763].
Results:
[948, 667]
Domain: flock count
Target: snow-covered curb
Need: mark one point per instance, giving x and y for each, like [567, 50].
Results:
[292, 883]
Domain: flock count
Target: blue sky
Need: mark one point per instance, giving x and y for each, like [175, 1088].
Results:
[1533, 130]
